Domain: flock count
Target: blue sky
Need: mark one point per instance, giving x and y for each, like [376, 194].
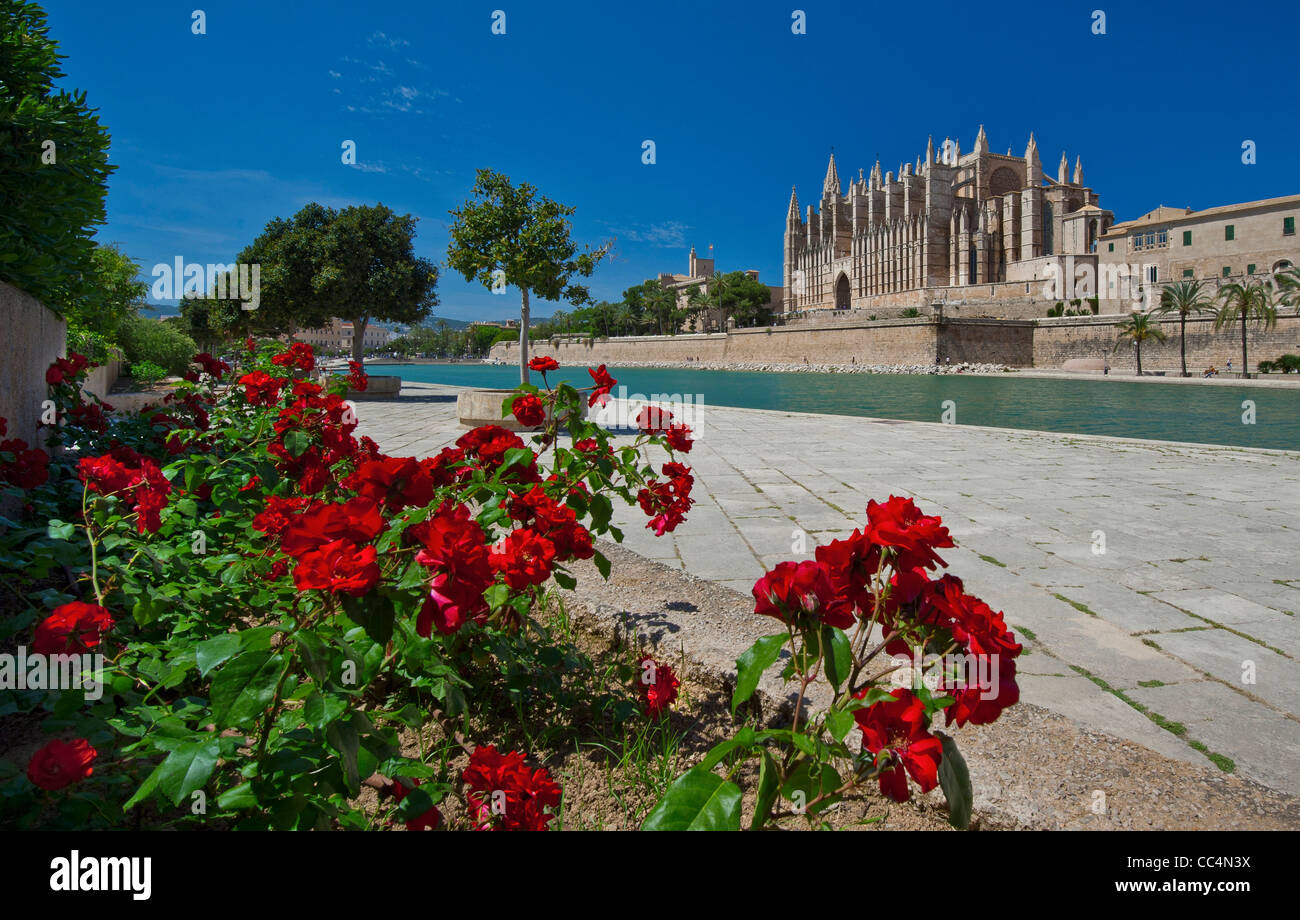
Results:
[215, 134]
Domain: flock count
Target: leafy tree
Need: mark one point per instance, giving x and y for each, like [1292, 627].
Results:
[1184, 298]
[1247, 301]
[1139, 328]
[656, 306]
[96, 317]
[48, 210]
[153, 341]
[511, 235]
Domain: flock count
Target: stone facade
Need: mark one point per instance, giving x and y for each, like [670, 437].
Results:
[34, 338]
[1217, 245]
[948, 229]
[698, 274]
[338, 335]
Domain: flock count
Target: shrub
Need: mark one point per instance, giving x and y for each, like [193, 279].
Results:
[1095, 304]
[911, 313]
[147, 373]
[155, 342]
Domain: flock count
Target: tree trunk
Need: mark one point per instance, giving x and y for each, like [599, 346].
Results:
[1139, 358]
[523, 339]
[359, 339]
[1182, 340]
[1244, 365]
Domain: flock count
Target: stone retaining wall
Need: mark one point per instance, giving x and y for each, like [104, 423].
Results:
[1040, 343]
[35, 337]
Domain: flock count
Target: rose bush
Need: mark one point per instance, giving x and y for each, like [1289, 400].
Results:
[277, 599]
[870, 595]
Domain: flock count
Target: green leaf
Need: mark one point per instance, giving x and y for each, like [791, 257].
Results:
[565, 580]
[838, 722]
[237, 799]
[768, 787]
[496, 596]
[602, 565]
[212, 652]
[839, 656]
[697, 801]
[60, 530]
[187, 768]
[320, 710]
[602, 509]
[296, 442]
[808, 781]
[146, 788]
[244, 687]
[751, 665]
[343, 737]
[954, 777]
[374, 613]
[744, 738]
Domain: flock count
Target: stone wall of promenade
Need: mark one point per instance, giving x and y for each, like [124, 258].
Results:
[1056, 341]
[1039, 343]
[34, 338]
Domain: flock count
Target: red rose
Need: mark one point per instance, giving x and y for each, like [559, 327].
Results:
[356, 521]
[653, 419]
[29, 468]
[211, 365]
[898, 727]
[658, 685]
[397, 482]
[340, 567]
[357, 378]
[299, 355]
[261, 389]
[504, 794]
[604, 383]
[898, 523]
[71, 629]
[528, 410]
[797, 593]
[543, 363]
[449, 605]
[679, 438]
[524, 558]
[61, 763]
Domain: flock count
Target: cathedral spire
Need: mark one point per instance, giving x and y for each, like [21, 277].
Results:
[929, 151]
[1078, 170]
[792, 215]
[981, 141]
[832, 184]
[1063, 171]
[1033, 165]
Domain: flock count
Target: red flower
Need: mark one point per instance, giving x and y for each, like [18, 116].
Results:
[450, 604]
[524, 558]
[543, 363]
[504, 794]
[65, 370]
[211, 365]
[431, 820]
[250, 344]
[357, 379]
[455, 547]
[653, 419]
[341, 567]
[658, 685]
[397, 482]
[28, 469]
[604, 383]
[528, 410]
[898, 523]
[666, 503]
[61, 763]
[71, 629]
[121, 469]
[798, 593]
[261, 389]
[850, 564]
[299, 355]
[355, 521]
[897, 728]
[679, 438]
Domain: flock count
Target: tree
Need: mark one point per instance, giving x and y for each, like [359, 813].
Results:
[1248, 301]
[1184, 298]
[510, 235]
[53, 167]
[1138, 328]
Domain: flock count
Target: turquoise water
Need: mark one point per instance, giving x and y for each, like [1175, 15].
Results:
[1170, 412]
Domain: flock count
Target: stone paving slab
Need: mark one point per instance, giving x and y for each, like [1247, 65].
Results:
[1188, 529]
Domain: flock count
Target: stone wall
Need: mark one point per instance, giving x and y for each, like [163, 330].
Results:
[1056, 341]
[35, 337]
[1040, 343]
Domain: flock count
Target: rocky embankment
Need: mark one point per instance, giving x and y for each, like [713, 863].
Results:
[776, 368]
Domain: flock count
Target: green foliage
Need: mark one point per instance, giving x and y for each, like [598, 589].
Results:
[152, 341]
[147, 372]
[911, 313]
[50, 209]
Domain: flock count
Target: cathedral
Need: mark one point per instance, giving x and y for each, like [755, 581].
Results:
[976, 225]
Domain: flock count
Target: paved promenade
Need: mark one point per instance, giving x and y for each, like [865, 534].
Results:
[1156, 586]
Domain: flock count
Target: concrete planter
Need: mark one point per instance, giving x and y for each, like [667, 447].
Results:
[381, 387]
[483, 407]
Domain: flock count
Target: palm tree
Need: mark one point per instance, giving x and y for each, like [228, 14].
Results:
[624, 321]
[1138, 328]
[1288, 285]
[1184, 298]
[1249, 301]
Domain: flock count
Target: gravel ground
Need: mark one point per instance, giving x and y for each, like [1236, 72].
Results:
[1032, 769]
